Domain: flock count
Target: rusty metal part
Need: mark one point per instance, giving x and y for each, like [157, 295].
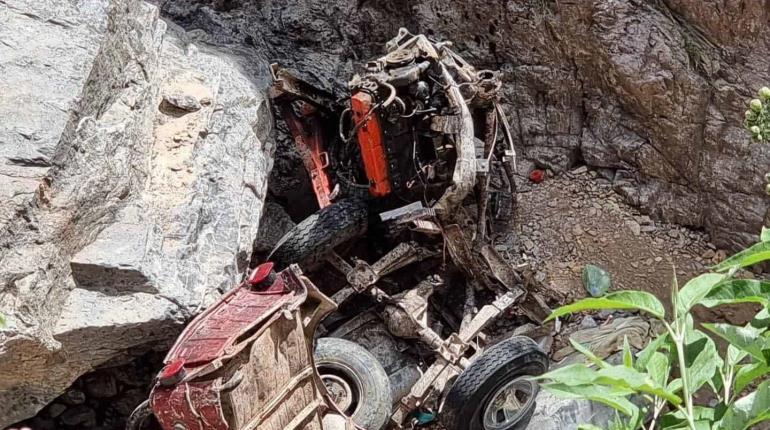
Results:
[363, 275]
[464, 176]
[482, 178]
[451, 359]
[306, 129]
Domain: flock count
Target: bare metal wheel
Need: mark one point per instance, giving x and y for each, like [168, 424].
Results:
[342, 393]
[509, 403]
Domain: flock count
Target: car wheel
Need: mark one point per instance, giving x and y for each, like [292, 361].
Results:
[308, 242]
[495, 392]
[355, 380]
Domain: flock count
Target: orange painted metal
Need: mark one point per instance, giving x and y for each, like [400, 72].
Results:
[370, 140]
[308, 138]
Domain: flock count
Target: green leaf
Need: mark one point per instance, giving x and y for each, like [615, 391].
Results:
[748, 257]
[732, 291]
[761, 319]
[588, 353]
[658, 368]
[628, 356]
[636, 300]
[624, 377]
[735, 355]
[611, 396]
[675, 385]
[701, 358]
[2, 321]
[676, 420]
[748, 410]
[646, 354]
[589, 427]
[572, 375]
[695, 290]
[765, 235]
[747, 338]
[748, 374]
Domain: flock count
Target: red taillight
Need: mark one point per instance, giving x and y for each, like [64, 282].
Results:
[172, 373]
[263, 272]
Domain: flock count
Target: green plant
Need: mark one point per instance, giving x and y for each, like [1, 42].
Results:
[682, 360]
[758, 116]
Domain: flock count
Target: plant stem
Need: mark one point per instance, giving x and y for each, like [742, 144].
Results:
[679, 339]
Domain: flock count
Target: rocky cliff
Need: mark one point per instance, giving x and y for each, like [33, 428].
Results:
[136, 141]
[652, 91]
[133, 167]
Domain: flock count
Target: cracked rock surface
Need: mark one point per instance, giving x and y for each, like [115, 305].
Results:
[654, 90]
[133, 167]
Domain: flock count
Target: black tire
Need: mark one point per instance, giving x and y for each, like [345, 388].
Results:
[310, 240]
[510, 359]
[372, 404]
[140, 417]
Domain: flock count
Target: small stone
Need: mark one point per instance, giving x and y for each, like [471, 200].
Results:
[708, 254]
[580, 170]
[673, 234]
[540, 276]
[648, 228]
[587, 322]
[79, 415]
[100, 385]
[528, 244]
[648, 262]
[644, 220]
[596, 280]
[635, 228]
[577, 230]
[182, 101]
[658, 259]
[55, 409]
[73, 397]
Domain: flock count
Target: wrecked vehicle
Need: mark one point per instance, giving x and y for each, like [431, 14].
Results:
[420, 162]
[246, 363]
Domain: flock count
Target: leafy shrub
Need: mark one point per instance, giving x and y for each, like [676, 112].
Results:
[682, 359]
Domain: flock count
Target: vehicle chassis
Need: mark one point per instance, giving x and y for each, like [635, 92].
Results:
[469, 250]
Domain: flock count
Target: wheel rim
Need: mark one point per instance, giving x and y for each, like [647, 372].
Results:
[342, 385]
[508, 404]
[339, 390]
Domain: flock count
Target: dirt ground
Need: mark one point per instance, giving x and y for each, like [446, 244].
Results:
[575, 219]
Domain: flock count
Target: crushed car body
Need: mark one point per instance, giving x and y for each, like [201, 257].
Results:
[413, 174]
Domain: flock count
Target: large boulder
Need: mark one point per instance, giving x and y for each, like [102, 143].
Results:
[143, 184]
[654, 90]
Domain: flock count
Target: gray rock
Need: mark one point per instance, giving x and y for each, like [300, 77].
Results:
[634, 227]
[100, 385]
[82, 416]
[147, 215]
[73, 397]
[656, 89]
[185, 102]
[55, 409]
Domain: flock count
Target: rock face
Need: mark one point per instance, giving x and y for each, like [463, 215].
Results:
[134, 165]
[653, 91]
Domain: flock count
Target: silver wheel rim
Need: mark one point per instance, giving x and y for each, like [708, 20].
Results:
[506, 406]
[340, 391]
[343, 382]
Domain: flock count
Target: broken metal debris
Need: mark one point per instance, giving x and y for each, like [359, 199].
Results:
[413, 176]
